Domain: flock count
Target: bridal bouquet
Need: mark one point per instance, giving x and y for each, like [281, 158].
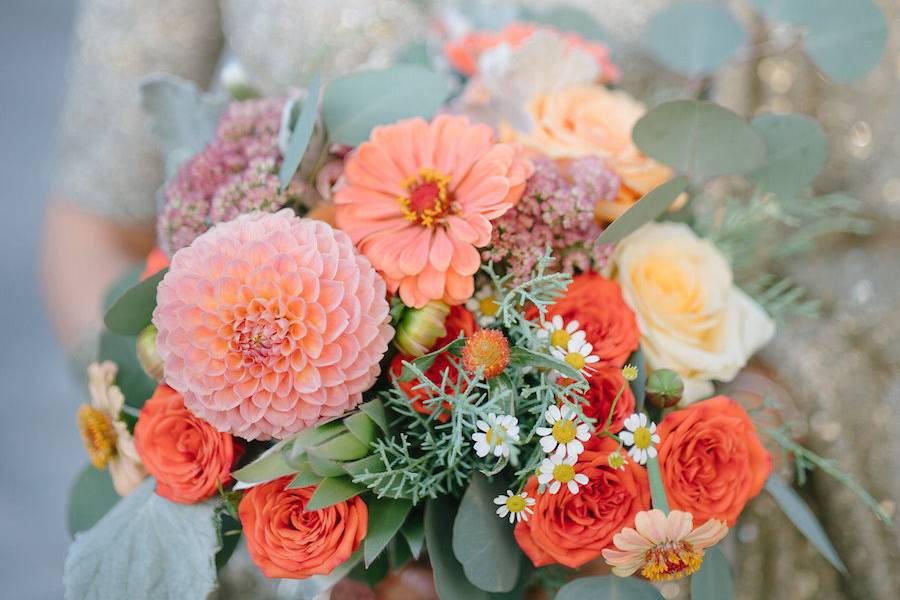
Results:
[480, 307]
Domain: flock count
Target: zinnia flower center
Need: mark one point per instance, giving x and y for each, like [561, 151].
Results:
[428, 197]
[488, 307]
[515, 504]
[564, 431]
[642, 438]
[672, 560]
[564, 473]
[98, 435]
[575, 360]
[560, 338]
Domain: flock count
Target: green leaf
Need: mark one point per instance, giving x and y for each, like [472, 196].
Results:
[317, 585]
[146, 543]
[424, 362]
[523, 357]
[355, 103]
[375, 409]
[386, 515]
[301, 134]
[333, 490]
[133, 310]
[229, 536]
[305, 479]
[699, 139]
[91, 497]
[309, 438]
[657, 490]
[565, 19]
[324, 466]
[135, 384]
[694, 38]
[648, 208]
[449, 579]
[609, 587]
[343, 447]
[797, 150]
[362, 427]
[413, 532]
[501, 389]
[803, 519]
[714, 580]
[482, 541]
[269, 465]
[371, 464]
[639, 385]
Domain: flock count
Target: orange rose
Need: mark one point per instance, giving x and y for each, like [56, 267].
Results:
[573, 529]
[604, 383]
[597, 304]
[286, 541]
[711, 460]
[187, 456]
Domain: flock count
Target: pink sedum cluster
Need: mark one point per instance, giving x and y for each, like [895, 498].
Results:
[236, 173]
[270, 323]
[556, 210]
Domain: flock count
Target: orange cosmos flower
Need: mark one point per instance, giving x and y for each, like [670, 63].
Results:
[420, 198]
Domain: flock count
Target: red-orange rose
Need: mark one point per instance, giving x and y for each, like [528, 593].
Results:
[608, 323]
[573, 529]
[286, 541]
[458, 320]
[188, 457]
[711, 459]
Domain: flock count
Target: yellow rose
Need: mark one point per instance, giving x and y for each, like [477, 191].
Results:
[693, 319]
[591, 120]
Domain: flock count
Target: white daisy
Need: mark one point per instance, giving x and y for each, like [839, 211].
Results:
[558, 334]
[577, 354]
[484, 306]
[640, 434]
[517, 506]
[556, 472]
[496, 435]
[565, 434]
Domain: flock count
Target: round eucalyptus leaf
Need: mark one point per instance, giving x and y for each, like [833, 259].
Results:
[699, 139]
[565, 18]
[609, 586]
[714, 580]
[92, 496]
[797, 150]
[694, 38]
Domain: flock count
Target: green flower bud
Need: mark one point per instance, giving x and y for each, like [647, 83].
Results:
[148, 355]
[664, 388]
[419, 329]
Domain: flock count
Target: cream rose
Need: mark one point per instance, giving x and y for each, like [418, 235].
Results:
[692, 317]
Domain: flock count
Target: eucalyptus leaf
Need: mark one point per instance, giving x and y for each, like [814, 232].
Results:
[714, 580]
[609, 587]
[566, 18]
[449, 578]
[91, 497]
[375, 409]
[694, 38]
[523, 357]
[803, 519]
[299, 139]
[131, 378]
[657, 489]
[313, 588]
[386, 516]
[133, 310]
[482, 542]
[700, 139]
[354, 104]
[333, 490]
[797, 150]
[146, 543]
[648, 208]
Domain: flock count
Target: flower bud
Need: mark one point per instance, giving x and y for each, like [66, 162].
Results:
[419, 329]
[664, 388]
[148, 355]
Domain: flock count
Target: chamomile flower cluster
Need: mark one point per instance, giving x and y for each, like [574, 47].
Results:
[496, 435]
[515, 506]
[568, 343]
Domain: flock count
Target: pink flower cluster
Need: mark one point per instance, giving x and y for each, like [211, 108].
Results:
[556, 211]
[236, 173]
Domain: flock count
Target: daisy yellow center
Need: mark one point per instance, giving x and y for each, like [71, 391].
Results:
[616, 460]
[564, 431]
[515, 504]
[98, 435]
[672, 560]
[575, 360]
[642, 438]
[560, 338]
[564, 473]
[488, 306]
[427, 197]
[495, 438]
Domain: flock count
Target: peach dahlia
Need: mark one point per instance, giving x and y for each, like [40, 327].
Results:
[271, 323]
[419, 201]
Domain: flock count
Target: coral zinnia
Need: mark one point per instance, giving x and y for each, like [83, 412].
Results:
[270, 323]
[420, 199]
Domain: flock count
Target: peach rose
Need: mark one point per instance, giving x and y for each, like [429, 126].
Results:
[693, 319]
[286, 541]
[188, 457]
[591, 120]
[711, 460]
[573, 529]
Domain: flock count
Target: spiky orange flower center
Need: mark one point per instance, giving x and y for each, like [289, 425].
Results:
[487, 349]
[98, 435]
[672, 560]
[428, 197]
